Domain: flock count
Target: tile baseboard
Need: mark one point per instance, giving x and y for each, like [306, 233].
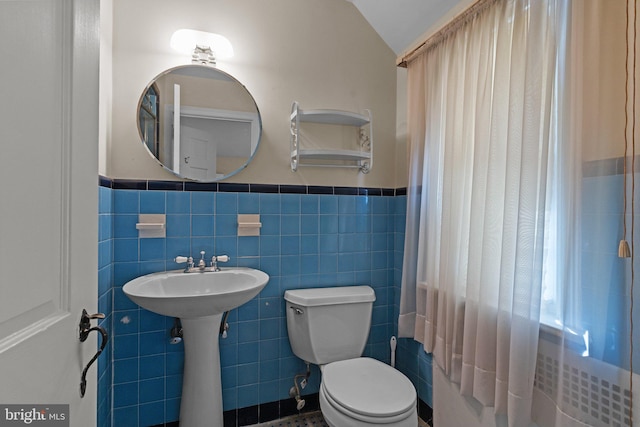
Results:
[284, 413]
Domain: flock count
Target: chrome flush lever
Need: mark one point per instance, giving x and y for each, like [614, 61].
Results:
[86, 328]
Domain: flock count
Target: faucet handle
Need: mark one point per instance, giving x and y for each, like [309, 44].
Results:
[183, 259]
[215, 259]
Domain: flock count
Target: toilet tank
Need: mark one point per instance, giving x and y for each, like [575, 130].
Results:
[329, 324]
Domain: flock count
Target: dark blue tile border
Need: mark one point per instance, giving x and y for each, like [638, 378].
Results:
[105, 182]
[370, 191]
[233, 188]
[166, 185]
[264, 188]
[604, 167]
[200, 186]
[293, 189]
[133, 184]
[317, 189]
[425, 412]
[347, 191]
[128, 184]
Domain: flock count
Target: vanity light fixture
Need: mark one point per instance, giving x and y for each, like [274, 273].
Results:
[204, 47]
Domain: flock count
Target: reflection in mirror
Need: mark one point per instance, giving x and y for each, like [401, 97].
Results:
[148, 119]
[199, 123]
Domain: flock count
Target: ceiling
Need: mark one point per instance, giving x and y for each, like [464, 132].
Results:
[401, 23]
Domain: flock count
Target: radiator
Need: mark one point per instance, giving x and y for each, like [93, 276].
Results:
[591, 391]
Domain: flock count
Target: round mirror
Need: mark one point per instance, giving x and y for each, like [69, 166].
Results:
[200, 123]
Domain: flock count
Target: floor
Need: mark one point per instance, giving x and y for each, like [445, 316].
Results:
[313, 419]
[309, 419]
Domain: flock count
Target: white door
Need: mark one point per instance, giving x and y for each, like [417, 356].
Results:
[48, 202]
[198, 154]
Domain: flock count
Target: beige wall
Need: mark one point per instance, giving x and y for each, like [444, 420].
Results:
[321, 53]
[402, 132]
[104, 105]
[603, 79]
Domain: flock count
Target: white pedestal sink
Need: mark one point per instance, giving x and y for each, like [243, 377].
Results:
[199, 300]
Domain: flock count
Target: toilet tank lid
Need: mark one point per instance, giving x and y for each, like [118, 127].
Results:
[327, 296]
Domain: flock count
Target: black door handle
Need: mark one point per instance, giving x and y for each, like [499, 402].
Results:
[85, 329]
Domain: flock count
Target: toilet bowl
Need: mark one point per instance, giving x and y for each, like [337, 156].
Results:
[366, 392]
[329, 327]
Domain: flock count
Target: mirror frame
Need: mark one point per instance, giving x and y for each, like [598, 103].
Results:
[229, 77]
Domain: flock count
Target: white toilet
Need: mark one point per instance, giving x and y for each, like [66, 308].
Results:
[329, 327]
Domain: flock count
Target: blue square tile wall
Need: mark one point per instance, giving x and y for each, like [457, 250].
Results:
[605, 277]
[321, 236]
[105, 300]
[307, 240]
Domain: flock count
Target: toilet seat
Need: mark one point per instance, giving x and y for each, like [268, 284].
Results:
[368, 390]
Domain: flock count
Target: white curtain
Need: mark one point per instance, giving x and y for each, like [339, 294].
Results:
[484, 111]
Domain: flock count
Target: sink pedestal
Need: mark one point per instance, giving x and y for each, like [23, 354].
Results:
[201, 404]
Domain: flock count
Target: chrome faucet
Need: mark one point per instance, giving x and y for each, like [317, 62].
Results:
[202, 264]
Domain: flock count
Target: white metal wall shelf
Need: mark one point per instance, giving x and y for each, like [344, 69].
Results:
[362, 158]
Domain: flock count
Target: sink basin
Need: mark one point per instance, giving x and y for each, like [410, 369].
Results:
[190, 295]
